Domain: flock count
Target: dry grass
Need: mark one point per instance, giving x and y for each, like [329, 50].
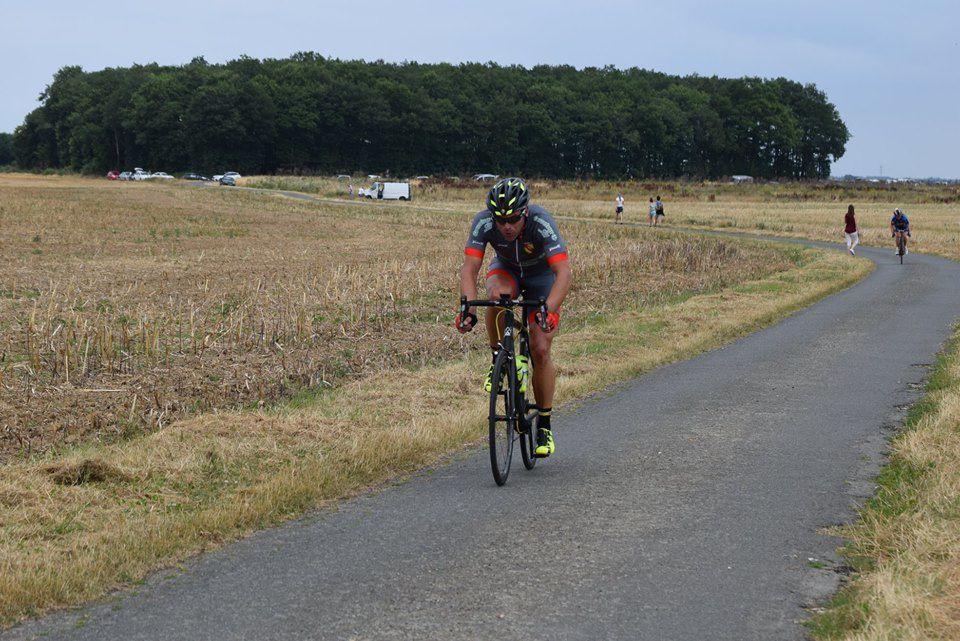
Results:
[906, 543]
[125, 306]
[353, 297]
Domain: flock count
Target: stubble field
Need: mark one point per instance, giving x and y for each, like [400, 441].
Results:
[126, 306]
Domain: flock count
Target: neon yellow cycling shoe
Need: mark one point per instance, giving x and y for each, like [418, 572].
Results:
[545, 445]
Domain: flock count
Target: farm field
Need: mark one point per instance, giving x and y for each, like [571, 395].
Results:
[179, 365]
[799, 210]
[126, 306]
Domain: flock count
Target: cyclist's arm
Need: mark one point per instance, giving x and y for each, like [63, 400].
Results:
[468, 276]
[561, 286]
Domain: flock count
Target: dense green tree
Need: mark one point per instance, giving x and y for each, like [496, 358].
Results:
[6, 149]
[313, 114]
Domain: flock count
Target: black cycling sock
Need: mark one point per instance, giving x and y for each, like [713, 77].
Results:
[543, 418]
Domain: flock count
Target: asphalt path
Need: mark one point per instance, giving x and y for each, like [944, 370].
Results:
[685, 504]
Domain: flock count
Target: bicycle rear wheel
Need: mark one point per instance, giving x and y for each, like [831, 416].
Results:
[502, 416]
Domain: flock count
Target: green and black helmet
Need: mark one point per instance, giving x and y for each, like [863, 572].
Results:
[508, 198]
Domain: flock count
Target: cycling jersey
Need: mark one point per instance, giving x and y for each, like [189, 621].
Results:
[533, 252]
[900, 225]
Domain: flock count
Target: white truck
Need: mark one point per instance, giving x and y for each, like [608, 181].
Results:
[388, 191]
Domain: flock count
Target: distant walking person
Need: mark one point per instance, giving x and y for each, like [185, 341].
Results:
[350, 190]
[659, 218]
[850, 231]
[653, 212]
[619, 208]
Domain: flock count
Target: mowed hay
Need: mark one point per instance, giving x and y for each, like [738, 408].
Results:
[124, 307]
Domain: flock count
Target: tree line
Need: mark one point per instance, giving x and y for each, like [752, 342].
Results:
[308, 113]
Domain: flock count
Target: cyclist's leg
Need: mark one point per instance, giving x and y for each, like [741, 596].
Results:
[535, 287]
[544, 371]
[500, 280]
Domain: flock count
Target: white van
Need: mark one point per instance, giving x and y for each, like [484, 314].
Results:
[388, 191]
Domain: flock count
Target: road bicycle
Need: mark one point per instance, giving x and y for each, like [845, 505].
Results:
[512, 416]
[901, 245]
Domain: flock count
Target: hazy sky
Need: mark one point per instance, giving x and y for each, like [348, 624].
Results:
[891, 68]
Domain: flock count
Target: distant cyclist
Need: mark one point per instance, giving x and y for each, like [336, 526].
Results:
[899, 228]
[530, 258]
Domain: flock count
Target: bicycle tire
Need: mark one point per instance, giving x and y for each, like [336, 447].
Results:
[528, 439]
[502, 419]
[900, 243]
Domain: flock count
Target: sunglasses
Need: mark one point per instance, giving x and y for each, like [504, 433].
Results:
[505, 220]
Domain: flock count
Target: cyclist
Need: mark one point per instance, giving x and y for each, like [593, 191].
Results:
[530, 258]
[899, 227]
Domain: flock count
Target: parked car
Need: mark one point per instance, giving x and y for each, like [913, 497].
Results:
[482, 177]
[234, 174]
[160, 175]
[125, 175]
[113, 175]
[228, 181]
[139, 174]
[195, 177]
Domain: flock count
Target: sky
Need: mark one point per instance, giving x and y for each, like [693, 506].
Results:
[891, 68]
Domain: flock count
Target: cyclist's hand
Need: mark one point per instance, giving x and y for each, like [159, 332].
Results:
[467, 324]
[553, 321]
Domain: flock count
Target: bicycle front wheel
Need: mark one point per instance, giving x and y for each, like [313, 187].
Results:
[527, 422]
[502, 416]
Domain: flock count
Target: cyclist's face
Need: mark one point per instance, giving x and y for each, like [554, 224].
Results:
[510, 231]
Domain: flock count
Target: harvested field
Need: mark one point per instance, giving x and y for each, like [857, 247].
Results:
[125, 306]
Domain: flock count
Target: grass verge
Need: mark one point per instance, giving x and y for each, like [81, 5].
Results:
[905, 546]
[77, 524]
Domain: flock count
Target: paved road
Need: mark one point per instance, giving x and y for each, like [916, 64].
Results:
[682, 505]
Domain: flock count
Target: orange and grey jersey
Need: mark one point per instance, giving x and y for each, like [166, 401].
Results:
[539, 246]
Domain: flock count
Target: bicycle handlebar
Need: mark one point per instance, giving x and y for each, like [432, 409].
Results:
[505, 301]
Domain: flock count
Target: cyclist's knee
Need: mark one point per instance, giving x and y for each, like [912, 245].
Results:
[496, 287]
[540, 349]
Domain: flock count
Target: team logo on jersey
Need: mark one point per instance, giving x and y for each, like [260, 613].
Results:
[528, 248]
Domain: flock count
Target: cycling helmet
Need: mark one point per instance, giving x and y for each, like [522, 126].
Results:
[508, 198]
[897, 211]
